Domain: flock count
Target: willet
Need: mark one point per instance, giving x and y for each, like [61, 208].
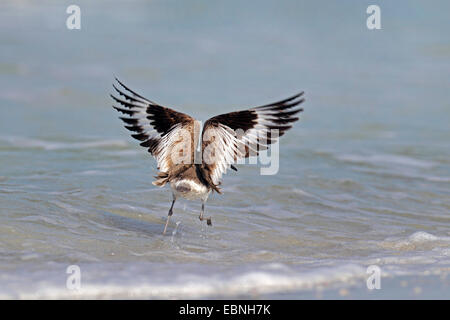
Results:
[173, 139]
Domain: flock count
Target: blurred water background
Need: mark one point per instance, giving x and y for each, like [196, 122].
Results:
[364, 176]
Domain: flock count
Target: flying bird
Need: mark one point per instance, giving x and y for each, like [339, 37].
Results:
[174, 140]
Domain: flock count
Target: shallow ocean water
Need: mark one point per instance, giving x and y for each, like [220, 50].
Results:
[364, 176]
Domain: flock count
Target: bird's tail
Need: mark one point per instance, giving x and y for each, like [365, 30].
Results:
[161, 179]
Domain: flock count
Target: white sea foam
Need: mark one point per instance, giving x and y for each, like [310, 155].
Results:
[138, 282]
[419, 240]
[193, 281]
[422, 236]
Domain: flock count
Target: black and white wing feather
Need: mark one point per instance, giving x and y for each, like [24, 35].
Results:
[157, 127]
[226, 138]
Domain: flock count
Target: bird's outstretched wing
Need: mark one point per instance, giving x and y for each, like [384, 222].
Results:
[165, 132]
[229, 137]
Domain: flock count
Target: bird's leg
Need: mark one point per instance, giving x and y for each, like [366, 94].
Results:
[208, 220]
[169, 214]
[201, 213]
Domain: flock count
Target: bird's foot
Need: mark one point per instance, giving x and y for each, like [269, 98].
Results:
[208, 220]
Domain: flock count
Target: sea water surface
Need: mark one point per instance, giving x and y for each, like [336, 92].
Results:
[364, 176]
